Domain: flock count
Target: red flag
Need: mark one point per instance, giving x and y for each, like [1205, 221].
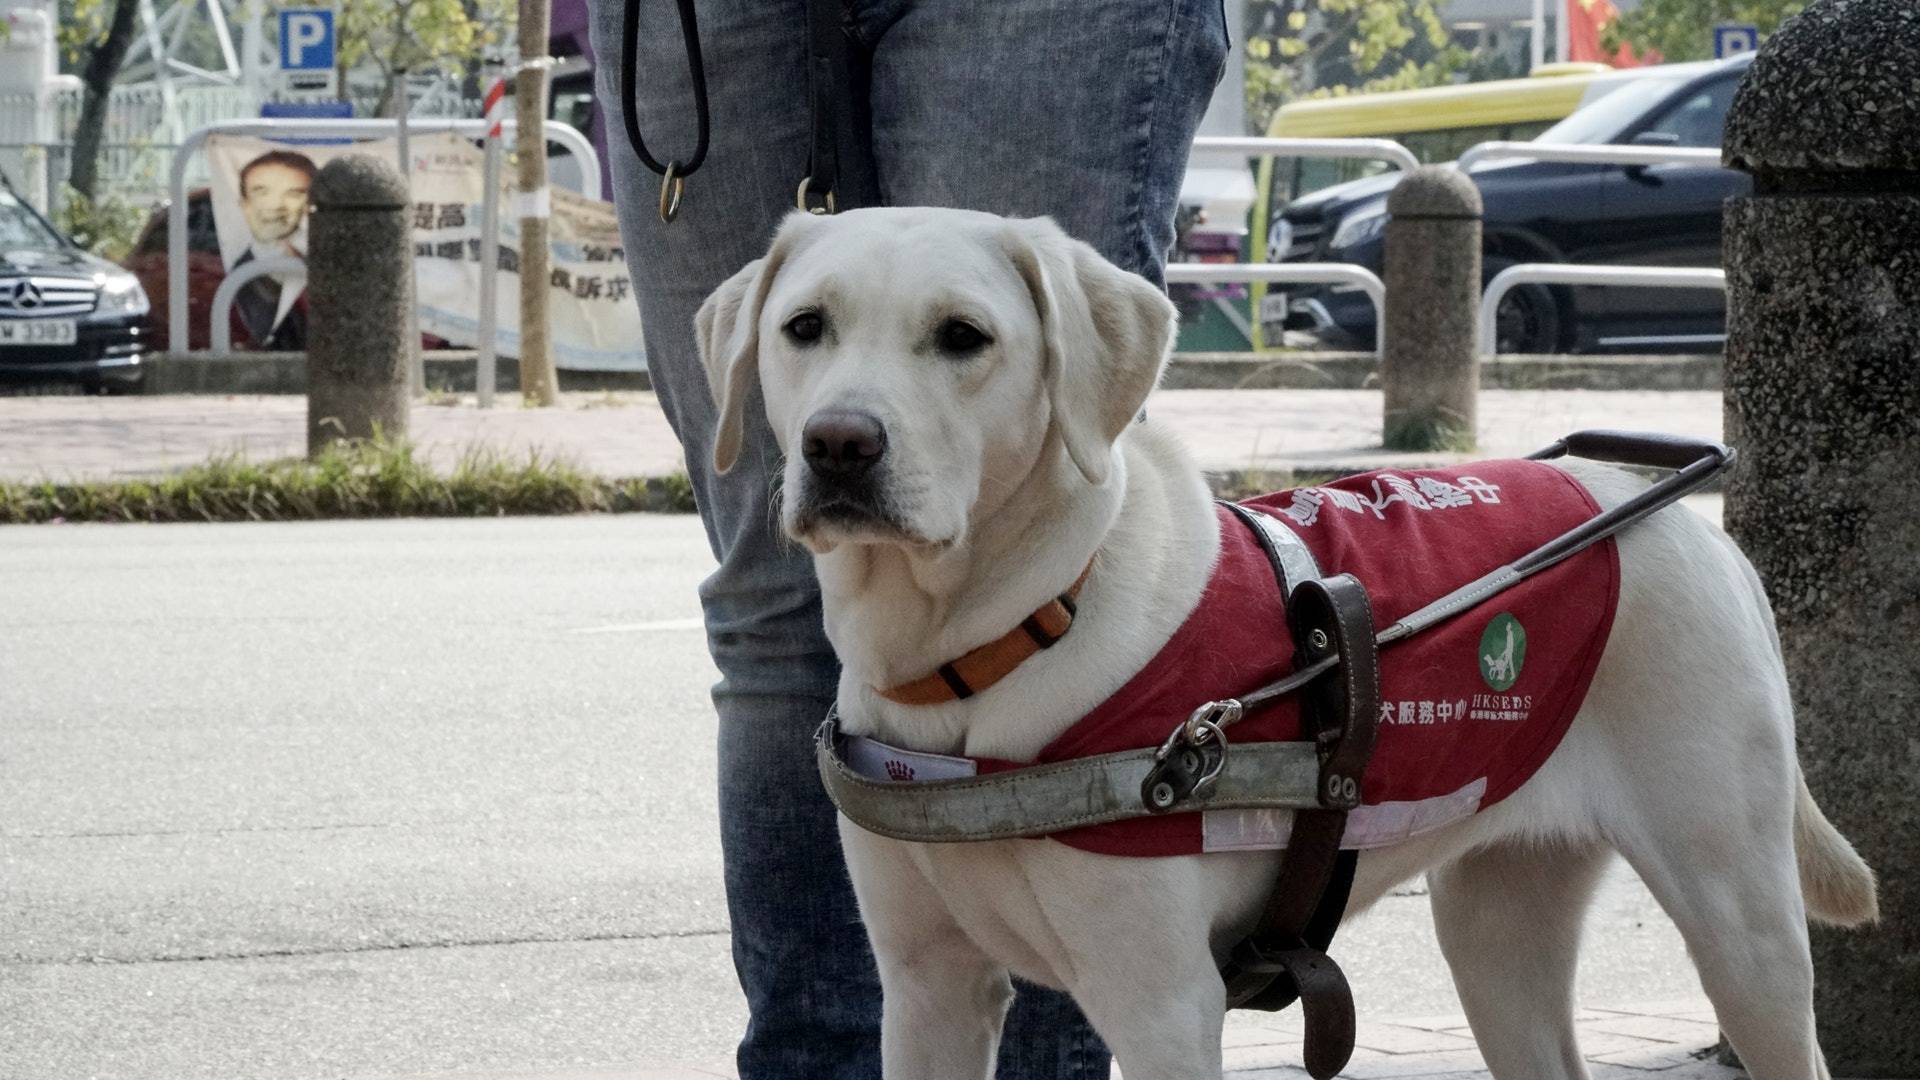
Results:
[1585, 21]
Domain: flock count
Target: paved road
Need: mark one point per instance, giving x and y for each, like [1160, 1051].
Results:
[378, 799]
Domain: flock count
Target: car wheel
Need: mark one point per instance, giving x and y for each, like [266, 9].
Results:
[1528, 318]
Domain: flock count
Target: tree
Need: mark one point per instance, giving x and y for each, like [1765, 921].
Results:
[1683, 29]
[396, 36]
[1295, 47]
[102, 32]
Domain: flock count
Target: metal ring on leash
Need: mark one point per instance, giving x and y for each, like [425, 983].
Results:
[672, 185]
[1178, 773]
[800, 198]
[1203, 785]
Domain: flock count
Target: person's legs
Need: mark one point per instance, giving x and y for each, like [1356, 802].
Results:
[799, 949]
[1084, 112]
[1081, 112]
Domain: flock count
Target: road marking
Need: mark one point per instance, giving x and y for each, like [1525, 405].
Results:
[643, 627]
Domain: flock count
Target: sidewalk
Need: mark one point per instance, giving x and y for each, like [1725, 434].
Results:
[1668, 1040]
[624, 434]
[1662, 1040]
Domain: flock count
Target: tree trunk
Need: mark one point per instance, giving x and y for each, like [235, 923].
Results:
[538, 381]
[103, 65]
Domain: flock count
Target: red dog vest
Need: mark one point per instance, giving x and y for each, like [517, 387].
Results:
[1470, 708]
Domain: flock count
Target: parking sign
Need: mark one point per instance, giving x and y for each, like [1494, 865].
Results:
[1732, 39]
[307, 48]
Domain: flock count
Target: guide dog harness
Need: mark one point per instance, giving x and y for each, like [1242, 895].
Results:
[1273, 717]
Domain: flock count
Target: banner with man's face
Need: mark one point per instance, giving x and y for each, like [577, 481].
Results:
[260, 203]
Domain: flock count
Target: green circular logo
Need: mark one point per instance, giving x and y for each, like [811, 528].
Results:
[1503, 649]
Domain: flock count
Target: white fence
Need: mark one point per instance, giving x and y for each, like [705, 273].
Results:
[1351, 274]
[139, 135]
[1576, 153]
[1348, 274]
[1645, 277]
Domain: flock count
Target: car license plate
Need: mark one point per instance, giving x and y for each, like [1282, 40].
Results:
[1273, 307]
[38, 332]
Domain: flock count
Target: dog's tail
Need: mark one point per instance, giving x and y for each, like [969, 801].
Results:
[1838, 884]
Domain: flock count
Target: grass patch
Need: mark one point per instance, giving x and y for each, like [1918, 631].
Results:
[1238, 484]
[362, 480]
[1431, 433]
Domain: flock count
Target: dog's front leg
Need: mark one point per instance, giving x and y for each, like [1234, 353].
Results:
[943, 1009]
[1162, 1020]
[1136, 934]
[944, 1000]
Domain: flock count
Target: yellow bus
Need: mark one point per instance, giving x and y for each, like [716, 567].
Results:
[1436, 123]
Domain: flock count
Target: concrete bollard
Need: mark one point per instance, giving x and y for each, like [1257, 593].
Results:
[359, 297]
[1823, 403]
[1428, 367]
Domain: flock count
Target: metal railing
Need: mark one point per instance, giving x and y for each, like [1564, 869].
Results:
[1574, 274]
[177, 314]
[1365, 149]
[1579, 154]
[220, 316]
[1289, 274]
[1387, 150]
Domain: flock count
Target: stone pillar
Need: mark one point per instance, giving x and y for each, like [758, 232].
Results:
[359, 297]
[1428, 367]
[1823, 403]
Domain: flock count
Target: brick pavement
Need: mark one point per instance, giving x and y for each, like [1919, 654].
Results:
[624, 434]
[1668, 1040]
[1660, 1040]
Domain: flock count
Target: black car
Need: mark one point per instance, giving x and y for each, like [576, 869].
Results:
[1537, 211]
[65, 316]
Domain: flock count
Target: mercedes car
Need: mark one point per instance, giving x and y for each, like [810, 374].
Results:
[66, 317]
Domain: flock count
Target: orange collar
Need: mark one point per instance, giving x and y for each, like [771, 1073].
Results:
[966, 676]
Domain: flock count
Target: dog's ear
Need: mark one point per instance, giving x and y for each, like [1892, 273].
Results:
[727, 328]
[1107, 334]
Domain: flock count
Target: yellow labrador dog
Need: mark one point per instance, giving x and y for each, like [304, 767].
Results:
[957, 398]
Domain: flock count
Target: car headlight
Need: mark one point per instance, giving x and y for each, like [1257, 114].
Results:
[121, 294]
[1359, 228]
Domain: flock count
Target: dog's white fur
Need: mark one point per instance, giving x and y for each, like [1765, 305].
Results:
[1007, 468]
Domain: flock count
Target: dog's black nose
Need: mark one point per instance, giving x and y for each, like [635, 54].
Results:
[842, 443]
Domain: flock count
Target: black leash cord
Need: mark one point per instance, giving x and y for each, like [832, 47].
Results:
[673, 175]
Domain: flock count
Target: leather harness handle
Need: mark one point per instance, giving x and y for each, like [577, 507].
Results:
[1649, 449]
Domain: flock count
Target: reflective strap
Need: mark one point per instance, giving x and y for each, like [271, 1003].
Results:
[1295, 559]
[1044, 799]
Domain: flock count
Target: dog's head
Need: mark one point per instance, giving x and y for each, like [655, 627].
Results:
[918, 365]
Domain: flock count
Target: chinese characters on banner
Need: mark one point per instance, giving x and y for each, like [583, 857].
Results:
[259, 202]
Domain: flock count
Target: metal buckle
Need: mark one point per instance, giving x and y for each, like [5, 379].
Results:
[672, 186]
[1190, 761]
[800, 198]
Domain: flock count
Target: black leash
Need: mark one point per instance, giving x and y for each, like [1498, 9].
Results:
[673, 175]
[840, 169]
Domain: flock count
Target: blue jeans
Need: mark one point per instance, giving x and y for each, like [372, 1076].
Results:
[1082, 111]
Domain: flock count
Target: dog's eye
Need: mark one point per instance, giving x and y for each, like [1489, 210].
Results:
[806, 327]
[959, 337]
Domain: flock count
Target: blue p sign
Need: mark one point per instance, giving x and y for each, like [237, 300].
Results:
[1732, 39]
[306, 39]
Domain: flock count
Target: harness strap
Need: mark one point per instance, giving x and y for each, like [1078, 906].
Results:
[1292, 560]
[1045, 799]
[1284, 959]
